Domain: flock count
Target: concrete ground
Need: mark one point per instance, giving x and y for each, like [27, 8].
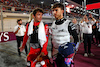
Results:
[9, 55]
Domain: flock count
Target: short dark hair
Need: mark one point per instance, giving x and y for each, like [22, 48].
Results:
[37, 10]
[19, 20]
[58, 5]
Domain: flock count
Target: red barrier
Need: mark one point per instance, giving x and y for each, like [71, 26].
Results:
[93, 6]
[7, 36]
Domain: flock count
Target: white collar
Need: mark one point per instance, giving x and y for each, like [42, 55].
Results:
[41, 32]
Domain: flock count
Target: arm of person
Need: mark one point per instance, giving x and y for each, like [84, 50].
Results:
[24, 29]
[82, 21]
[93, 19]
[17, 30]
[24, 39]
[72, 31]
[44, 48]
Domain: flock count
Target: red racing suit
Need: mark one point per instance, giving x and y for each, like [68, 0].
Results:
[35, 52]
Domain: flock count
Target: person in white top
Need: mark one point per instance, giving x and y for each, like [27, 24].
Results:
[87, 33]
[98, 31]
[19, 31]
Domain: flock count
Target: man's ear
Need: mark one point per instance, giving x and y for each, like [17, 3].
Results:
[33, 16]
[62, 11]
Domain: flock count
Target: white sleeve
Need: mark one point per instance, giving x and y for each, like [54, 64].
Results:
[93, 22]
[50, 29]
[15, 28]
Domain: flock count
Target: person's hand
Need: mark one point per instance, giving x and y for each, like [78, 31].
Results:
[21, 48]
[82, 21]
[39, 58]
[18, 28]
[84, 16]
[90, 15]
[42, 54]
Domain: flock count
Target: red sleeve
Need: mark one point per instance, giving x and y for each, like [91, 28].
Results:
[25, 36]
[44, 49]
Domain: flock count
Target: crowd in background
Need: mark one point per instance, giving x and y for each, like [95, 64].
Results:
[15, 5]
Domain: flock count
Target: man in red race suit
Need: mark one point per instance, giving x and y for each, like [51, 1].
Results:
[38, 34]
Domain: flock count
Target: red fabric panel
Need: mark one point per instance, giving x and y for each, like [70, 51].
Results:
[93, 6]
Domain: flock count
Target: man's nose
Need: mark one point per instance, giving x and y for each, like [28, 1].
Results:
[54, 12]
[41, 16]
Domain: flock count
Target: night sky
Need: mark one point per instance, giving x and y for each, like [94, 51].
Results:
[88, 1]
[48, 2]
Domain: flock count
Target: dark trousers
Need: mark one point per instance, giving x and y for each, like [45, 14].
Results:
[19, 39]
[99, 37]
[95, 33]
[75, 38]
[60, 61]
[87, 42]
[92, 38]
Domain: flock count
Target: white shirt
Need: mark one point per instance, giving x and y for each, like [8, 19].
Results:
[21, 31]
[60, 35]
[87, 27]
[98, 26]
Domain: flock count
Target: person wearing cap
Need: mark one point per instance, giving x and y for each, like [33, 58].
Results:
[38, 34]
[19, 31]
[60, 36]
[87, 23]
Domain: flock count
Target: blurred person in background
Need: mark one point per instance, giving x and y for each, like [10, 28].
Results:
[19, 31]
[98, 31]
[75, 34]
[87, 33]
[95, 33]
